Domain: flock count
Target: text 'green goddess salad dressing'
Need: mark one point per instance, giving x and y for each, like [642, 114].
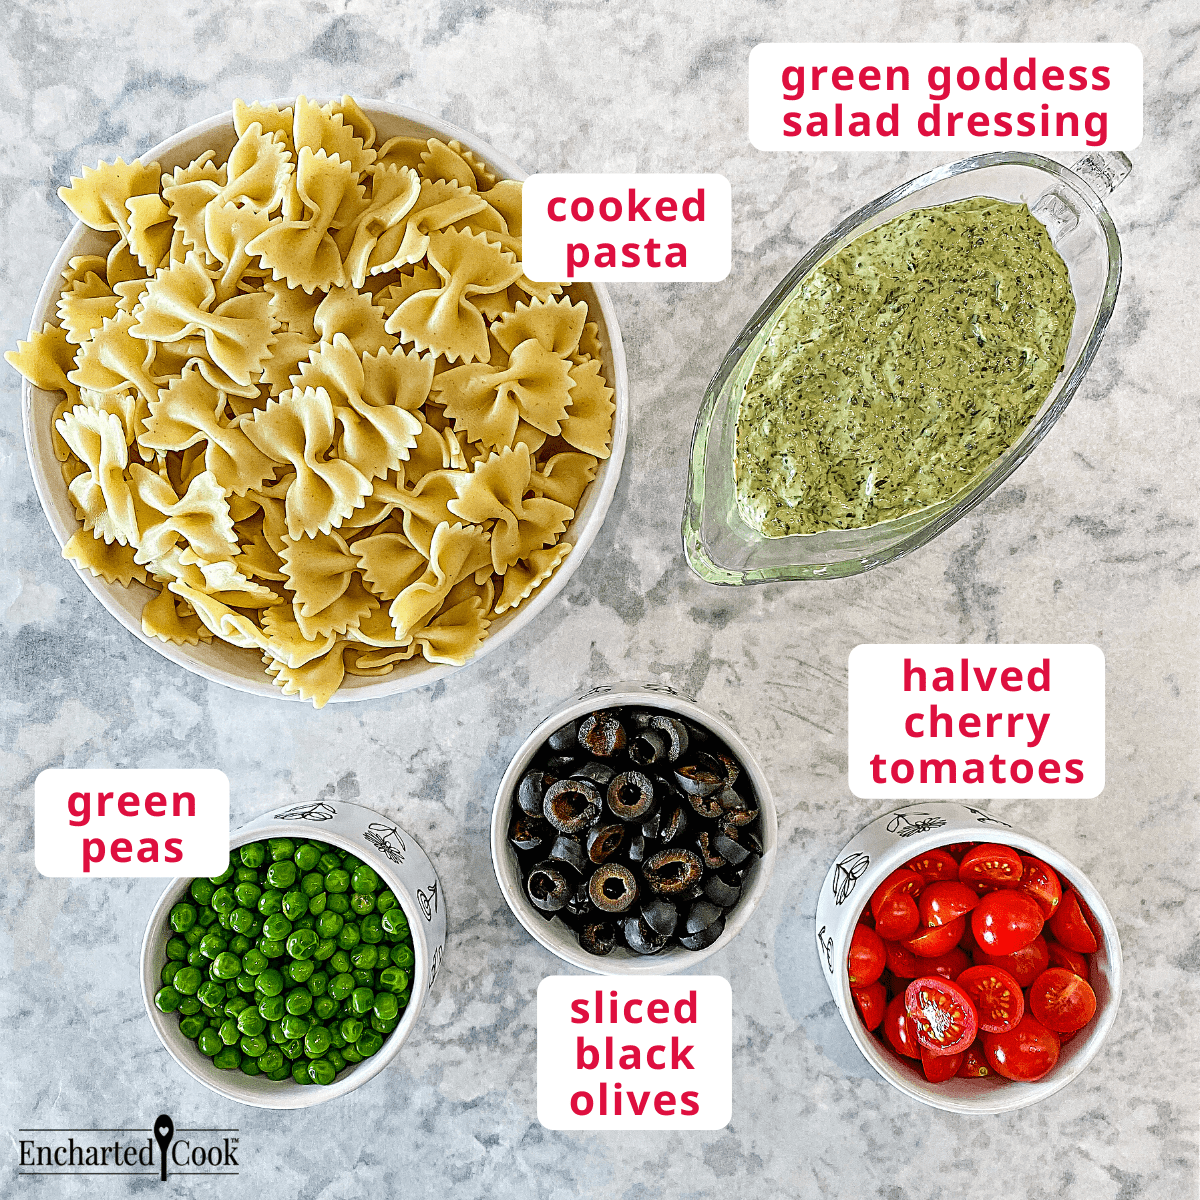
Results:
[906, 364]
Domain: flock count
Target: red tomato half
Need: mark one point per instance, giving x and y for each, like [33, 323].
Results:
[896, 916]
[1025, 1053]
[942, 1013]
[902, 963]
[1041, 883]
[1024, 966]
[958, 849]
[1060, 956]
[991, 863]
[1061, 1000]
[930, 943]
[867, 957]
[967, 941]
[872, 1004]
[1005, 922]
[949, 965]
[899, 1029]
[1070, 926]
[974, 1063]
[945, 901]
[934, 865]
[999, 1002]
[903, 880]
[940, 1067]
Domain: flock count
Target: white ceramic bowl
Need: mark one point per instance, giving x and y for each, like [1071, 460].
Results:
[241, 669]
[554, 934]
[400, 863]
[866, 860]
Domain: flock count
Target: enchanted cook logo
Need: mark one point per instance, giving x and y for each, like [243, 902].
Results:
[164, 1151]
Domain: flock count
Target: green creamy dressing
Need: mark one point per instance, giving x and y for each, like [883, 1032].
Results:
[906, 364]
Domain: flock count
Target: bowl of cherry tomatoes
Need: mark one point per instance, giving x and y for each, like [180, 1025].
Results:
[977, 969]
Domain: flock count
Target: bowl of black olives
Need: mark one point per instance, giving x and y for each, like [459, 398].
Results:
[633, 832]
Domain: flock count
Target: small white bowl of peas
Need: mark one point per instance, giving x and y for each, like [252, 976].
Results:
[297, 974]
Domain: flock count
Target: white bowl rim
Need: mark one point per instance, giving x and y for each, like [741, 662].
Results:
[675, 958]
[605, 485]
[291, 1095]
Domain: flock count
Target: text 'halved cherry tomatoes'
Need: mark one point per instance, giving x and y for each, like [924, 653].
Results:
[934, 865]
[899, 1029]
[1061, 1000]
[997, 996]
[991, 863]
[1041, 882]
[943, 1014]
[872, 1004]
[1024, 966]
[867, 957]
[944, 902]
[1005, 922]
[930, 943]
[1071, 927]
[1022, 1054]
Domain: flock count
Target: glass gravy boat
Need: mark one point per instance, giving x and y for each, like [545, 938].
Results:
[722, 548]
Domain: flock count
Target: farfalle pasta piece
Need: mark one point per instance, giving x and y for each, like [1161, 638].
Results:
[328, 595]
[230, 626]
[565, 477]
[445, 321]
[101, 493]
[588, 425]
[109, 561]
[316, 680]
[556, 324]
[440, 204]
[85, 306]
[324, 130]
[293, 308]
[394, 191]
[523, 578]
[402, 152]
[45, 360]
[454, 634]
[112, 360]
[346, 311]
[389, 563]
[200, 517]
[151, 228]
[171, 619]
[286, 640]
[271, 120]
[299, 428]
[449, 162]
[99, 196]
[229, 228]
[455, 552]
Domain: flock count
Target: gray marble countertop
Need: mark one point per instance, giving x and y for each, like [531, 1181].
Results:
[1093, 540]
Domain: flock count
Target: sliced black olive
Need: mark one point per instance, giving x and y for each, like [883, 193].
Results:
[701, 915]
[601, 734]
[651, 825]
[728, 849]
[648, 747]
[636, 850]
[705, 938]
[708, 807]
[697, 734]
[671, 871]
[547, 887]
[702, 777]
[526, 832]
[604, 841]
[676, 733]
[712, 860]
[563, 741]
[601, 774]
[569, 850]
[736, 810]
[751, 841]
[598, 937]
[612, 888]
[560, 766]
[673, 825]
[531, 791]
[572, 805]
[732, 768]
[580, 904]
[640, 938]
[630, 796]
[722, 893]
[691, 894]
[640, 718]
[661, 915]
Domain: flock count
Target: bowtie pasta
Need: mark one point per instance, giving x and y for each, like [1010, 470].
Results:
[311, 399]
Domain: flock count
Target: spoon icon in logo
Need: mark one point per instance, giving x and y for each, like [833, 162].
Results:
[164, 1131]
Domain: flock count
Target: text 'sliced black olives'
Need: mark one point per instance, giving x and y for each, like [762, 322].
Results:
[635, 828]
[271, 989]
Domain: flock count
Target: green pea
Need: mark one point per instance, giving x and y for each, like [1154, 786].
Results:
[335, 1033]
[362, 978]
[228, 1059]
[202, 890]
[361, 1000]
[177, 949]
[192, 936]
[292, 1048]
[270, 902]
[385, 901]
[191, 1025]
[247, 894]
[352, 1029]
[325, 1007]
[316, 1041]
[403, 956]
[403, 998]
[360, 904]
[188, 981]
[188, 1006]
[340, 986]
[369, 1043]
[307, 921]
[277, 927]
[229, 1032]
[329, 924]
[244, 982]
[271, 947]
[312, 884]
[271, 1059]
[269, 982]
[307, 857]
[207, 917]
[295, 904]
[280, 848]
[337, 903]
[337, 881]
[250, 1021]
[226, 966]
[254, 961]
[213, 944]
[271, 1008]
[364, 880]
[294, 1026]
[317, 904]
[339, 962]
[183, 917]
[300, 1071]
[385, 1006]
[300, 969]
[250, 1066]
[335, 1059]
[253, 855]
[381, 1026]
[211, 994]
[223, 900]
[393, 979]
[275, 1033]
[167, 999]
[212, 1014]
[302, 943]
[383, 955]
[217, 880]
[253, 1045]
[282, 874]
[223, 920]
[348, 937]
[245, 875]
[394, 921]
[350, 863]
[236, 1006]
[351, 1055]
[329, 862]
[299, 1002]
[170, 969]
[318, 983]
[240, 944]
[364, 957]
[209, 1042]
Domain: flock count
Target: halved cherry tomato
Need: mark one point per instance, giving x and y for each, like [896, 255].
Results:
[967, 941]
[896, 917]
[930, 943]
[942, 1013]
[1060, 956]
[934, 865]
[1071, 927]
[1025, 1053]
[990, 863]
[902, 963]
[974, 1063]
[1004, 922]
[1061, 1000]
[945, 901]
[867, 957]
[902, 880]
[865, 918]
[872, 1004]
[1024, 966]
[949, 965]
[1041, 882]
[899, 1029]
[958, 849]
[940, 1067]
[999, 1002]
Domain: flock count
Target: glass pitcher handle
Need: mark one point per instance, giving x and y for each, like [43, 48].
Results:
[1103, 170]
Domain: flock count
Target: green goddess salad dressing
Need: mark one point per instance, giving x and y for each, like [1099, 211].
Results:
[906, 364]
